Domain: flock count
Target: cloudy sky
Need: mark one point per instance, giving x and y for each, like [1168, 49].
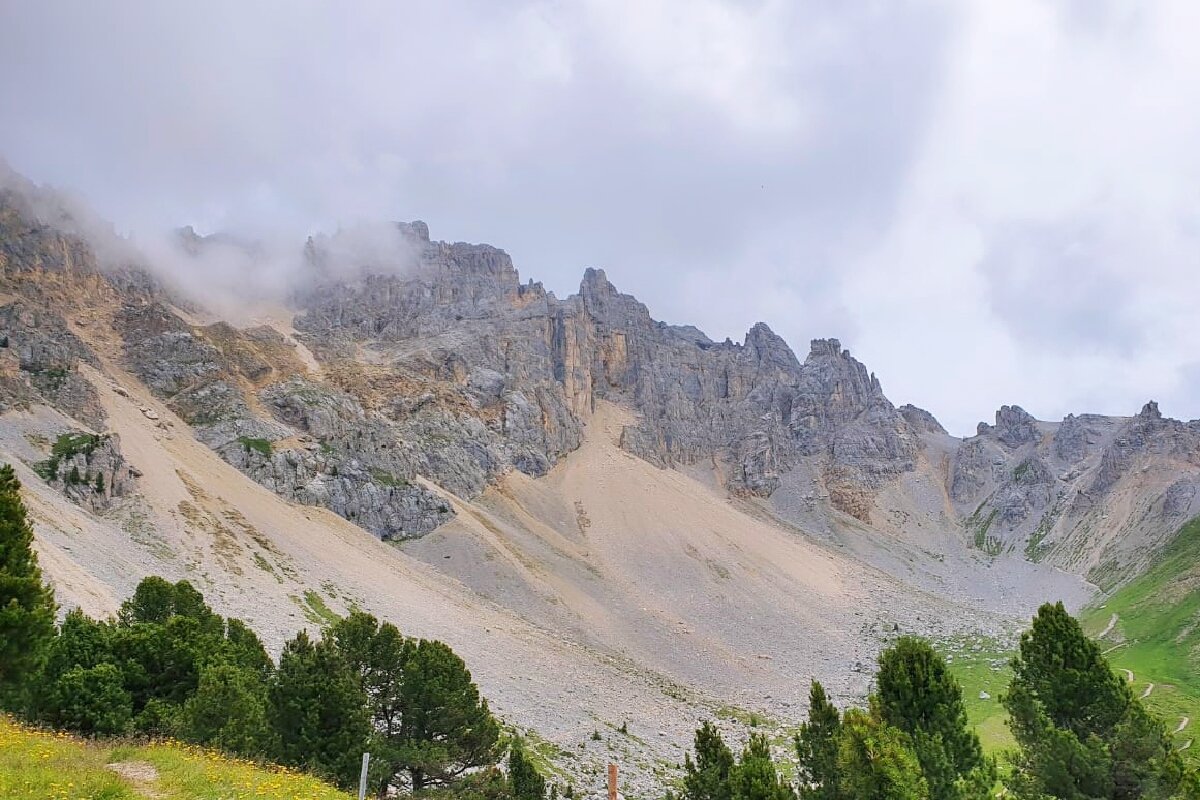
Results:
[987, 202]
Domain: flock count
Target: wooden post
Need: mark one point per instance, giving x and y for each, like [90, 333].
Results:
[612, 782]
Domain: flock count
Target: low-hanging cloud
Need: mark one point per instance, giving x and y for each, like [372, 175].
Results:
[988, 202]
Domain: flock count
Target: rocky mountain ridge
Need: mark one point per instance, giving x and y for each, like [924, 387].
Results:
[441, 365]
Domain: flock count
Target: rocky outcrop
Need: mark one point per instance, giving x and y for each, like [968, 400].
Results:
[88, 468]
[920, 420]
[1014, 427]
[39, 360]
[1147, 434]
[460, 314]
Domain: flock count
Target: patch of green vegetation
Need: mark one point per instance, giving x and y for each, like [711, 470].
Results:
[265, 566]
[67, 446]
[545, 755]
[385, 478]
[1021, 470]
[747, 718]
[988, 544]
[1158, 621]
[981, 667]
[50, 379]
[1034, 549]
[261, 446]
[315, 610]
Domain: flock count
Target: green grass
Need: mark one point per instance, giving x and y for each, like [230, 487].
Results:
[385, 478]
[36, 765]
[315, 609]
[982, 666]
[1158, 628]
[261, 446]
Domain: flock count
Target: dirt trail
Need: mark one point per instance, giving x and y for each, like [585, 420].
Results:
[1183, 723]
[1112, 623]
[1128, 674]
[141, 774]
[1186, 745]
[1146, 693]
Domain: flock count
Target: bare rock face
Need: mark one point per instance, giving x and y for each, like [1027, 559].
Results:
[1014, 427]
[1077, 436]
[459, 315]
[1147, 434]
[920, 420]
[43, 357]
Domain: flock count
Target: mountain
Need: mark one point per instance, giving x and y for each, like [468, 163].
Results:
[613, 519]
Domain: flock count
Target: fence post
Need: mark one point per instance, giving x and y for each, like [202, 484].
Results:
[362, 778]
[612, 782]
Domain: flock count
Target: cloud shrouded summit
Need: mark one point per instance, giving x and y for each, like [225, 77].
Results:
[989, 203]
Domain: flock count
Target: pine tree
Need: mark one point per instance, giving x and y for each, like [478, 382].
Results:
[817, 748]
[92, 701]
[524, 781]
[227, 711]
[245, 650]
[918, 695]
[755, 776]
[1079, 730]
[317, 712]
[376, 654]
[1064, 671]
[707, 778]
[81, 642]
[153, 601]
[876, 761]
[26, 604]
[446, 728]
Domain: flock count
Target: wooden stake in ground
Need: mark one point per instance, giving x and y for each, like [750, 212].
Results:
[612, 782]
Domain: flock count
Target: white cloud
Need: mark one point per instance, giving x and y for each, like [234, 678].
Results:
[987, 202]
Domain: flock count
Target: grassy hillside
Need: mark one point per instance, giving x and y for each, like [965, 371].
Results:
[1156, 635]
[35, 765]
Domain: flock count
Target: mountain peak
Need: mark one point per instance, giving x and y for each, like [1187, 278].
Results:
[826, 348]
[1150, 412]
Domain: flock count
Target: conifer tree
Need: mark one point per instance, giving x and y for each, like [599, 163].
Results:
[153, 601]
[92, 701]
[918, 695]
[1064, 671]
[227, 711]
[524, 781]
[446, 728]
[707, 778]
[245, 650]
[377, 654]
[1079, 730]
[26, 603]
[876, 761]
[817, 748]
[755, 776]
[317, 711]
